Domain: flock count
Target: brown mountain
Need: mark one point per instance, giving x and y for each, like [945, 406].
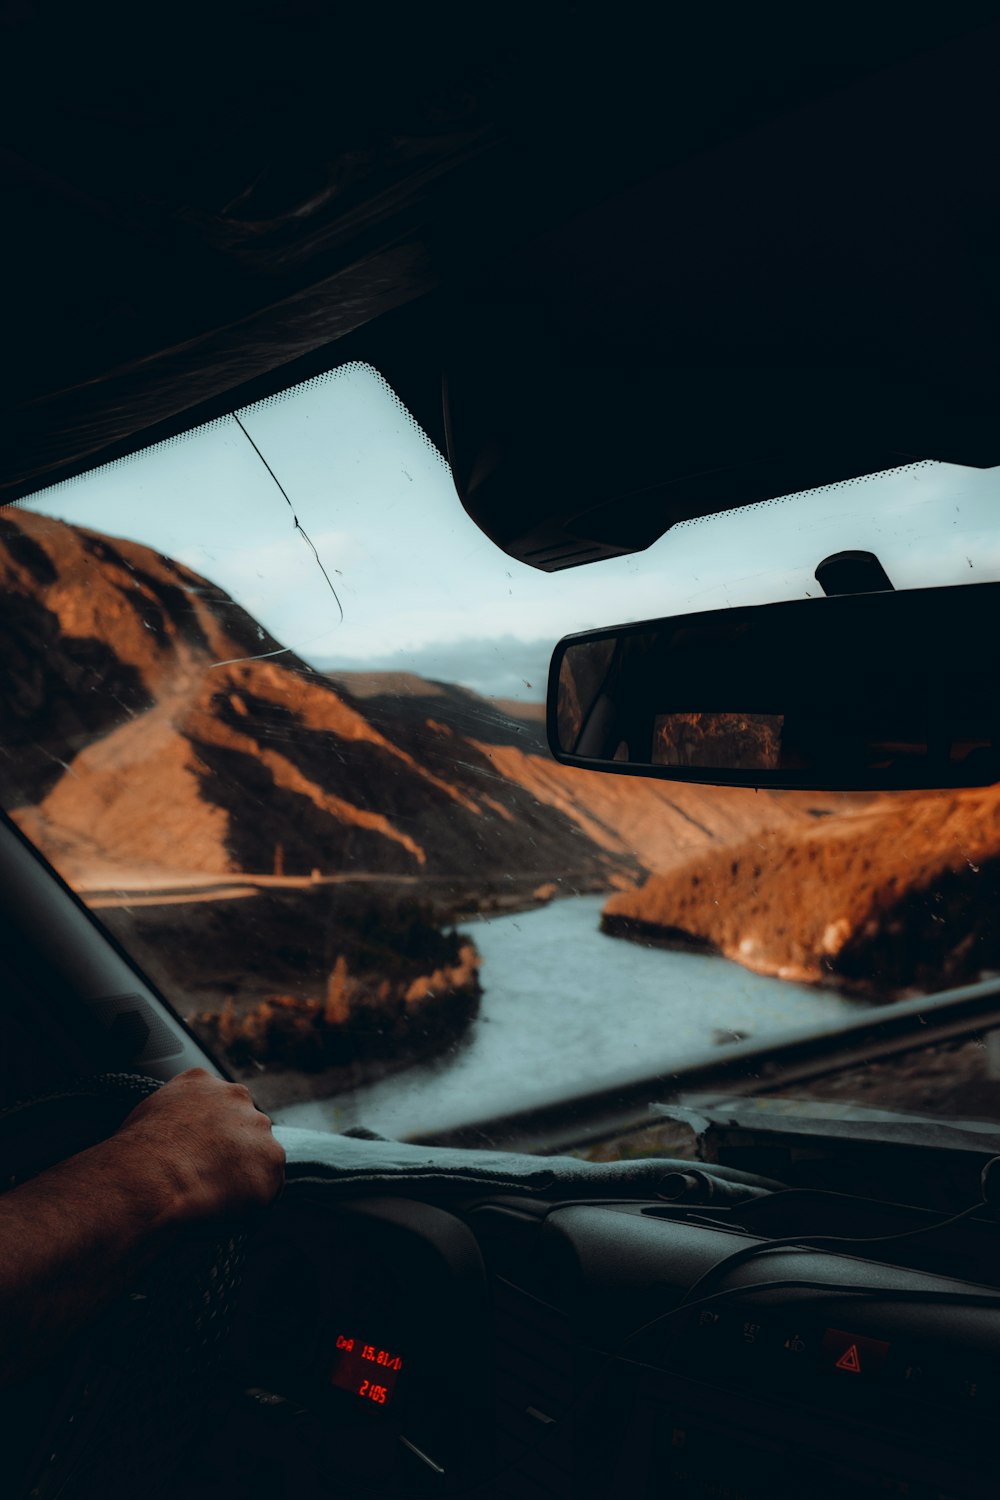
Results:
[143, 750]
[899, 894]
[143, 744]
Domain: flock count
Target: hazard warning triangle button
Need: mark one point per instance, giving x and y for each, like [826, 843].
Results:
[854, 1353]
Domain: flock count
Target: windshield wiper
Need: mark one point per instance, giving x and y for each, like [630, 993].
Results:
[831, 1120]
[750, 1067]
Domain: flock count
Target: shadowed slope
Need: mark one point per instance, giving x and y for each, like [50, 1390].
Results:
[141, 741]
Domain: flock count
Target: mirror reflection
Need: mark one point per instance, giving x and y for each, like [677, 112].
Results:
[743, 741]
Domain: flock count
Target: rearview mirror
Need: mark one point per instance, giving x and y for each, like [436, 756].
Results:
[859, 692]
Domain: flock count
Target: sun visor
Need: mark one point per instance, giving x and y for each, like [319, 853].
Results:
[568, 448]
[805, 304]
[565, 458]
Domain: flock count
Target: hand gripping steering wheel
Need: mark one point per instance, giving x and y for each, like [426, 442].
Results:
[114, 1414]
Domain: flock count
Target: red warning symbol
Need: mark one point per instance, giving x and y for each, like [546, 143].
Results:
[850, 1360]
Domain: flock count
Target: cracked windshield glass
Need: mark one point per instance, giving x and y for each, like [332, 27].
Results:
[289, 748]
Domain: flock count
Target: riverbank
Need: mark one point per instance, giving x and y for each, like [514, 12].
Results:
[896, 896]
[564, 1011]
[316, 989]
[327, 982]
[361, 1019]
[289, 1055]
[287, 1052]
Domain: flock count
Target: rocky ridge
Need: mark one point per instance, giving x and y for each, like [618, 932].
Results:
[897, 895]
[150, 732]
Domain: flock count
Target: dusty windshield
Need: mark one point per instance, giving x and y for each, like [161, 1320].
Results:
[291, 751]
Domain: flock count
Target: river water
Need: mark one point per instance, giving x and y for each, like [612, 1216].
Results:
[566, 1009]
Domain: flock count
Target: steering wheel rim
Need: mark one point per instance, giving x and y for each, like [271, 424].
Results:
[133, 1394]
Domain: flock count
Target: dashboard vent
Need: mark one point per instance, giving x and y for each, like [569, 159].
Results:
[536, 1381]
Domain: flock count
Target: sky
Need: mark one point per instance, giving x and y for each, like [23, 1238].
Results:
[424, 590]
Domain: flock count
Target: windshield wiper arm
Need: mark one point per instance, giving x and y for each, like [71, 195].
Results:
[750, 1067]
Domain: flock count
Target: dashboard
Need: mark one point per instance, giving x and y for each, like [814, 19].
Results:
[504, 1347]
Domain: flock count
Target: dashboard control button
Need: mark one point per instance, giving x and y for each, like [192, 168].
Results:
[852, 1355]
[746, 1330]
[976, 1392]
[796, 1343]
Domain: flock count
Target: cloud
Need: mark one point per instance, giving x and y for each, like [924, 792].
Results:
[497, 667]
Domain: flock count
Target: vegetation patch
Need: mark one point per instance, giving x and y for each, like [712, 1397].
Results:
[399, 986]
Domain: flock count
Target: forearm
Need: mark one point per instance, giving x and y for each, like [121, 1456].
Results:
[72, 1241]
[78, 1236]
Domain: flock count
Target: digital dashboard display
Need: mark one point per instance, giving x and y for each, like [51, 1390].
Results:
[365, 1369]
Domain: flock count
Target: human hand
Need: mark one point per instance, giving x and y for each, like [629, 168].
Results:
[214, 1148]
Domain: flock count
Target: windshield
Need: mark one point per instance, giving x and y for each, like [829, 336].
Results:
[274, 709]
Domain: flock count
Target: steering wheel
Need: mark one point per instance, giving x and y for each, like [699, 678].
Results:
[114, 1419]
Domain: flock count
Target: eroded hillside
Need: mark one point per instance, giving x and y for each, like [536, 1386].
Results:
[143, 743]
[901, 894]
[227, 807]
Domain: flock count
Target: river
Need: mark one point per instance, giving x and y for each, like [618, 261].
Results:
[566, 1008]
